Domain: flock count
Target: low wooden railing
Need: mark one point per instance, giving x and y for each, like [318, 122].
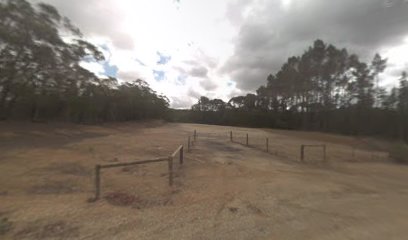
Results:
[169, 159]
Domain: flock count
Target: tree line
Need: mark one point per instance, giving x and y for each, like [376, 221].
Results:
[41, 77]
[324, 89]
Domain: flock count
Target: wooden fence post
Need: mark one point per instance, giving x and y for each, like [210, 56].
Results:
[188, 144]
[247, 142]
[195, 135]
[97, 181]
[181, 155]
[267, 144]
[302, 153]
[170, 161]
[231, 136]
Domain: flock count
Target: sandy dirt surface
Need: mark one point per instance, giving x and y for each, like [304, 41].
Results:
[223, 191]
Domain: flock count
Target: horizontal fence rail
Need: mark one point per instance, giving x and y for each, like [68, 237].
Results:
[271, 145]
[267, 144]
[169, 159]
[132, 163]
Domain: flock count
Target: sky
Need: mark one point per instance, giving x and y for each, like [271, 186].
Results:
[190, 48]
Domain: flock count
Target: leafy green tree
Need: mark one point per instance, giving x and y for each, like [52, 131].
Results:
[205, 105]
[34, 57]
[41, 77]
[326, 89]
[237, 102]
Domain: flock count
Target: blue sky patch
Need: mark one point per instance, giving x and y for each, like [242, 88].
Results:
[88, 59]
[110, 70]
[104, 47]
[181, 79]
[159, 75]
[163, 59]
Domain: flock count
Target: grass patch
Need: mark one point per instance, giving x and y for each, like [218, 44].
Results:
[5, 226]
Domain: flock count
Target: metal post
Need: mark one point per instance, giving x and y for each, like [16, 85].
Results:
[170, 161]
[247, 139]
[267, 145]
[188, 144]
[97, 181]
[181, 155]
[302, 153]
[231, 136]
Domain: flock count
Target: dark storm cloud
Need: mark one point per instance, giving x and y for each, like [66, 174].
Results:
[270, 33]
[208, 85]
[200, 72]
[192, 93]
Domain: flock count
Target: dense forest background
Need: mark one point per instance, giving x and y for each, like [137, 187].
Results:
[41, 77]
[325, 89]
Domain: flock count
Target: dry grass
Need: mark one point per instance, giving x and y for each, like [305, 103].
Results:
[223, 191]
[49, 230]
[54, 187]
[125, 199]
[70, 168]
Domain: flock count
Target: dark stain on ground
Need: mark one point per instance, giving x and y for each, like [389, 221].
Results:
[221, 146]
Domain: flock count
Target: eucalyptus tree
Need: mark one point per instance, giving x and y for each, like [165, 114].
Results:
[34, 55]
[41, 76]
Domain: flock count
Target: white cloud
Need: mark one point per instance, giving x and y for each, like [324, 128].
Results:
[94, 67]
[223, 48]
[397, 62]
